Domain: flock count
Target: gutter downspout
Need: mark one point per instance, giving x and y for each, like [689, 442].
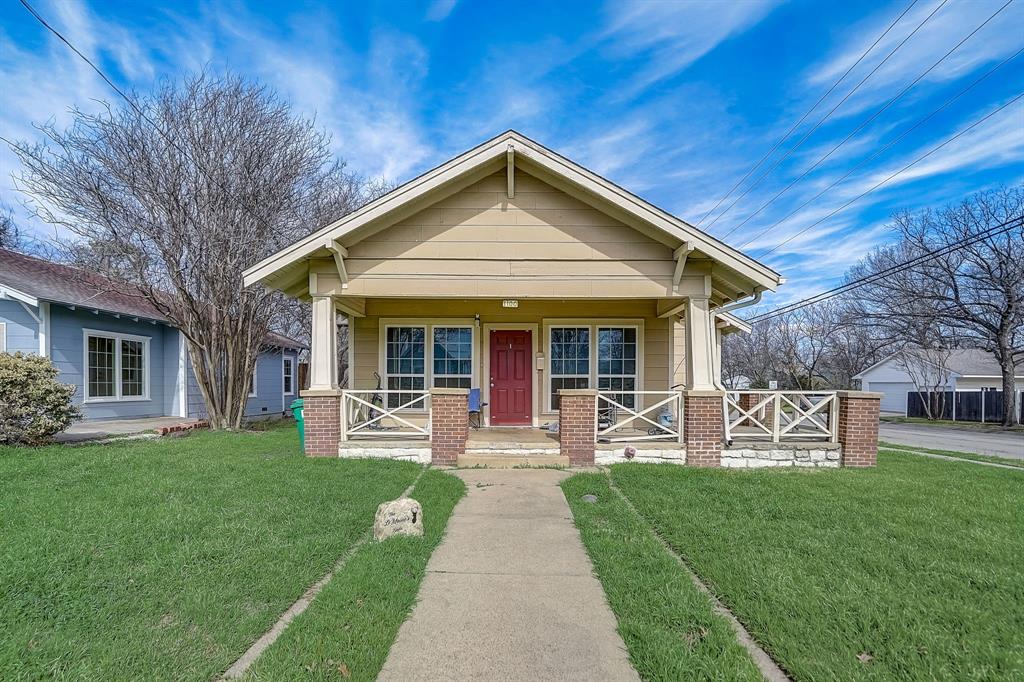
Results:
[739, 304]
[736, 305]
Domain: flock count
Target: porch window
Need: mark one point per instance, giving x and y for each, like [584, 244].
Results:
[405, 363]
[453, 357]
[116, 366]
[616, 363]
[570, 360]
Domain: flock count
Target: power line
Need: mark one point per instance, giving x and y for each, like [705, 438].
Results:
[868, 120]
[807, 113]
[897, 173]
[827, 115]
[987, 233]
[883, 149]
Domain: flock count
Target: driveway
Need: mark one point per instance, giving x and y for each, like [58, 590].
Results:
[997, 443]
[510, 593]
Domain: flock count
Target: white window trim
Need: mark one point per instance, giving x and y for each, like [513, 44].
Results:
[290, 361]
[3, 337]
[593, 324]
[253, 392]
[117, 337]
[427, 324]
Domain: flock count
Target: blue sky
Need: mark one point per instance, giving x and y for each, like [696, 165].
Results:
[675, 101]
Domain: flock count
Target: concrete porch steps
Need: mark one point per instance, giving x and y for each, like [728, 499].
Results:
[512, 459]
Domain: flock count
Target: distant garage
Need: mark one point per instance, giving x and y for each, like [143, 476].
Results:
[894, 394]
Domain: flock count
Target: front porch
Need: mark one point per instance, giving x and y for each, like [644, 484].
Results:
[736, 429]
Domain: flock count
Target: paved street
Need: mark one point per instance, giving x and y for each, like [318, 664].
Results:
[998, 443]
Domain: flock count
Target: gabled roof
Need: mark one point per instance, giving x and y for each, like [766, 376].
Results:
[535, 159]
[48, 281]
[29, 279]
[963, 362]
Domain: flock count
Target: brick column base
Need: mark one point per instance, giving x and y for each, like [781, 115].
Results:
[703, 423]
[449, 424]
[321, 412]
[857, 428]
[577, 425]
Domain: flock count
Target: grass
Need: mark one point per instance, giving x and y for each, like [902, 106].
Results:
[348, 630]
[166, 559]
[910, 570]
[959, 455]
[667, 625]
[965, 425]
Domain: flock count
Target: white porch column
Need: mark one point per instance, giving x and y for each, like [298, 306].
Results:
[700, 345]
[323, 354]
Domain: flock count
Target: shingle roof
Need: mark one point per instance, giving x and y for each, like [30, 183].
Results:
[67, 285]
[974, 362]
[58, 283]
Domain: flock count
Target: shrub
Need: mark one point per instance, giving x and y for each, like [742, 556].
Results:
[33, 404]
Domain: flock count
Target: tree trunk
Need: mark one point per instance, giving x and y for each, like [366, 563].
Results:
[1010, 413]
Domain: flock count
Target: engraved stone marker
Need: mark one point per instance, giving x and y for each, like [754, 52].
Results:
[403, 516]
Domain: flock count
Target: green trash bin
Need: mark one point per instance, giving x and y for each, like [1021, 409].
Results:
[296, 408]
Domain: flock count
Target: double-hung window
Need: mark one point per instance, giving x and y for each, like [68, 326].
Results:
[117, 366]
[570, 360]
[405, 363]
[288, 369]
[616, 363]
[453, 357]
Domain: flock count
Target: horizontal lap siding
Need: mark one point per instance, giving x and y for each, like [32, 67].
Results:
[68, 353]
[22, 332]
[479, 242]
[656, 350]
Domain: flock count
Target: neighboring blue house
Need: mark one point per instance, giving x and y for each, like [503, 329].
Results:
[119, 351]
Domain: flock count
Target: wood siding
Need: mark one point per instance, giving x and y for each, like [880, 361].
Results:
[656, 349]
[541, 243]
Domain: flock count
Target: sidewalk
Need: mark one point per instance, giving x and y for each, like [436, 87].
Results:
[510, 594]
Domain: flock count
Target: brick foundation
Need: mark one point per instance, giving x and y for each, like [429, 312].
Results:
[702, 427]
[857, 427]
[321, 412]
[449, 424]
[577, 425]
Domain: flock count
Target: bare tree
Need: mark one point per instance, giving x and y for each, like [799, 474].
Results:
[10, 235]
[928, 369]
[206, 178]
[973, 295]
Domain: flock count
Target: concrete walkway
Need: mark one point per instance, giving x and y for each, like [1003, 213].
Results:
[510, 592]
[107, 428]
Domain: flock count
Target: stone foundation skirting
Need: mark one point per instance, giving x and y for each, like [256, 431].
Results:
[606, 455]
[404, 454]
[758, 456]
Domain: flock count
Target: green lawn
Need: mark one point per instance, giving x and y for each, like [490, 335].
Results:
[348, 630]
[166, 559]
[911, 570]
[667, 625]
[960, 455]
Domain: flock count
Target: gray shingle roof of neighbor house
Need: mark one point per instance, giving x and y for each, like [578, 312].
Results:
[965, 362]
[974, 362]
[45, 280]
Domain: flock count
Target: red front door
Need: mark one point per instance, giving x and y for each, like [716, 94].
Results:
[511, 400]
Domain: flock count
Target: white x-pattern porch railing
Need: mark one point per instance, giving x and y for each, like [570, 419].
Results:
[661, 420]
[365, 413]
[781, 415]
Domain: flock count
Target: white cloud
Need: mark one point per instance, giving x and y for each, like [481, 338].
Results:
[672, 35]
[440, 9]
[950, 24]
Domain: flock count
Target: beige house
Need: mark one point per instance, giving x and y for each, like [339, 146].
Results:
[513, 278]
